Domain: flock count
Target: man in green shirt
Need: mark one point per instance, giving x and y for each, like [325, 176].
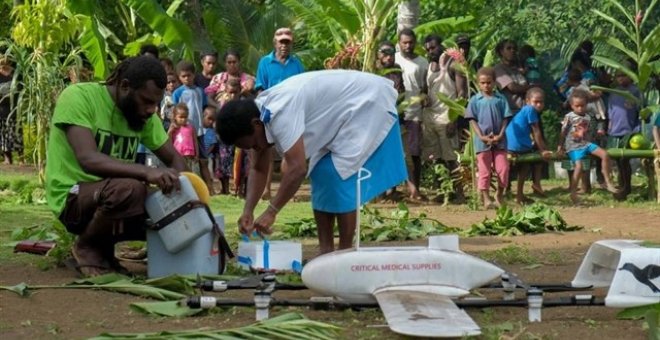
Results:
[93, 185]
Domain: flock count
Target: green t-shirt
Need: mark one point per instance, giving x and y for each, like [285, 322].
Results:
[89, 105]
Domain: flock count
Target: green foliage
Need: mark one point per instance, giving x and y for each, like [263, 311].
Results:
[39, 78]
[22, 191]
[533, 219]
[437, 178]
[286, 326]
[304, 227]
[635, 42]
[401, 225]
[54, 231]
[247, 27]
[176, 34]
[512, 254]
[165, 308]
[345, 25]
[551, 128]
[650, 314]
[45, 25]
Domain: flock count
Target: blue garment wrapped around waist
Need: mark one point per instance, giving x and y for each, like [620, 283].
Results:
[387, 165]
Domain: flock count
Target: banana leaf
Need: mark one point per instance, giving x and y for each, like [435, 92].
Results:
[176, 34]
[165, 308]
[286, 326]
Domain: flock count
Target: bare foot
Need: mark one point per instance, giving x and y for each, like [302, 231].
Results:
[538, 191]
[611, 188]
[524, 200]
[499, 199]
[90, 261]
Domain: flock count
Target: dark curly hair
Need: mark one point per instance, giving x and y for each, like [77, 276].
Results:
[233, 52]
[149, 48]
[138, 71]
[500, 46]
[235, 120]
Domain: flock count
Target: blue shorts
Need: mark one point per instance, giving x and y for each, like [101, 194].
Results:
[582, 153]
[387, 165]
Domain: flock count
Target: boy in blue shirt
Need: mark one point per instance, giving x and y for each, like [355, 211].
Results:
[518, 131]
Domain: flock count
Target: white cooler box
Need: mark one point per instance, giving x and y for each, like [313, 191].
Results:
[186, 228]
[278, 255]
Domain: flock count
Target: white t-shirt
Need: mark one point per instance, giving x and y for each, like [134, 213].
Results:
[439, 82]
[346, 113]
[414, 78]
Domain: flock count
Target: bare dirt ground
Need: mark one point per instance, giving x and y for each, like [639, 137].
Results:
[77, 314]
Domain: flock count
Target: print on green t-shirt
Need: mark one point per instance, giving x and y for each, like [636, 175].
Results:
[89, 105]
[120, 147]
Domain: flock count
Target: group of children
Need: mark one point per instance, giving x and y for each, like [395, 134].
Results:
[189, 119]
[498, 133]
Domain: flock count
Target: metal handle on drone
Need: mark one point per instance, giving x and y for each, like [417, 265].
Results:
[358, 194]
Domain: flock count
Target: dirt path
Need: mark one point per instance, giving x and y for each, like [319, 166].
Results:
[74, 314]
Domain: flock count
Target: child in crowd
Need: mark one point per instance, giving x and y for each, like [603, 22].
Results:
[183, 136]
[518, 131]
[232, 161]
[596, 110]
[530, 66]
[209, 145]
[624, 121]
[488, 112]
[575, 140]
[167, 104]
[195, 99]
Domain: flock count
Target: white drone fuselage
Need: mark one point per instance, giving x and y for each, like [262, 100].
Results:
[354, 275]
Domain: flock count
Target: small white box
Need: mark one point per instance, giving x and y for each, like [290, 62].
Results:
[279, 255]
[185, 229]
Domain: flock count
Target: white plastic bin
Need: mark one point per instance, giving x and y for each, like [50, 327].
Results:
[187, 228]
[194, 259]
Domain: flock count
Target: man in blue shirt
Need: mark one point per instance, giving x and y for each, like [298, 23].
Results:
[273, 69]
[279, 64]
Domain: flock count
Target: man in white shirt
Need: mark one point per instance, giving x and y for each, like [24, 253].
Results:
[341, 121]
[440, 137]
[414, 69]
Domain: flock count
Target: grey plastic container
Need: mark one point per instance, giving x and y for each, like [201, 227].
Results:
[185, 229]
[194, 259]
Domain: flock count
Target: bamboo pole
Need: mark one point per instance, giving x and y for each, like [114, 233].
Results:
[613, 153]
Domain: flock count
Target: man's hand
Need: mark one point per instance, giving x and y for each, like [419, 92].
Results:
[166, 179]
[546, 154]
[264, 224]
[246, 223]
[560, 150]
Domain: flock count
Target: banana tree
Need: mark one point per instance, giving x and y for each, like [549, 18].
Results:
[96, 36]
[351, 28]
[643, 50]
[245, 26]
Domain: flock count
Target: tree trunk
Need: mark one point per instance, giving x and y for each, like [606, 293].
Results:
[408, 15]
